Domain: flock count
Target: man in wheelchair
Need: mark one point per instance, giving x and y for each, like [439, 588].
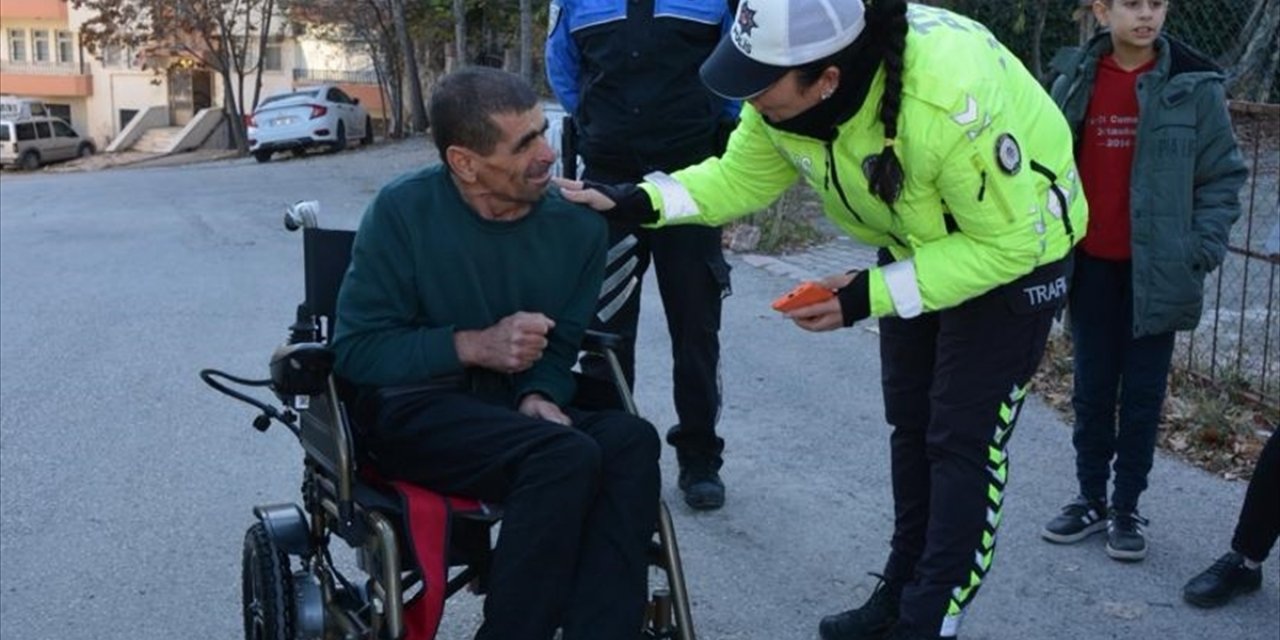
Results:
[459, 319]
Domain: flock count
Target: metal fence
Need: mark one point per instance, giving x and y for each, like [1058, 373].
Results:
[1239, 35]
[1238, 340]
[366, 76]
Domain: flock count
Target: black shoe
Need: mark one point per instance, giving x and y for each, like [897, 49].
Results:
[1226, 579]
[871, 621]
[901, 632]
[1125, 539]
[700, 481]
[1080, 519]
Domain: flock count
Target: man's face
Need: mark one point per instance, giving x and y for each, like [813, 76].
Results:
[519, 168]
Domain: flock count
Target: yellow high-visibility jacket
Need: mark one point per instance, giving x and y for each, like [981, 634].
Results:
[981, 145]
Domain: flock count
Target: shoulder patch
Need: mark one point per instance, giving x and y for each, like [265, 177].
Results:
[1008, 154]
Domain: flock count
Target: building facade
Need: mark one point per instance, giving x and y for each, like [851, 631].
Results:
[42, 57]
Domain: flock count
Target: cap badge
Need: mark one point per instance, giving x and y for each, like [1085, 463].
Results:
[747, 19]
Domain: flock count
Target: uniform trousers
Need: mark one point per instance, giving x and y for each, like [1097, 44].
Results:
[954, 382]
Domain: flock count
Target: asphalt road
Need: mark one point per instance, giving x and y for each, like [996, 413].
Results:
[126, 485]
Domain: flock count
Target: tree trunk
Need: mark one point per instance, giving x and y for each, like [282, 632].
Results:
[526, 40]
[460, 31]
[1252, 72]
[417, 111]
[235, 117]
[268, 11]
[1037, 35]
[395, 84]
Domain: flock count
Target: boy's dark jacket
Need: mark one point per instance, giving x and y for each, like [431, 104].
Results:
[1186, 176]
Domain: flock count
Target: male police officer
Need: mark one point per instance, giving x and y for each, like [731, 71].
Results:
[627, 70]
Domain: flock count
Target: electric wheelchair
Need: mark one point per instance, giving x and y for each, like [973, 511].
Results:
[291, 585]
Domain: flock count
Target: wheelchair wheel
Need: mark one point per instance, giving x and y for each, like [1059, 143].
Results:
[267, 587]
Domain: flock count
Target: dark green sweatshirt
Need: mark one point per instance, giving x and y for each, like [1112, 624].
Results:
[425, 265]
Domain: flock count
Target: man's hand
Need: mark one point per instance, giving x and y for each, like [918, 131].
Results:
[536, 405]
[512, 345]
[625, 202]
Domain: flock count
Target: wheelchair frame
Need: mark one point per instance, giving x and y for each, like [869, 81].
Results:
[313, 598]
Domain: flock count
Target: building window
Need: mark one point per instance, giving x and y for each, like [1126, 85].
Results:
[272, 56]
[117, 56]
[60, 110]
[40, 51]
[17, 45]
[66, 48]
[126, 116]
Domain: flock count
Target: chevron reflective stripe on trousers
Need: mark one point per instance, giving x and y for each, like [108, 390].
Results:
[998, 473]
[617, 273]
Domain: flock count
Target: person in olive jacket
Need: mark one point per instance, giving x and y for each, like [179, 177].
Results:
[1162, 174]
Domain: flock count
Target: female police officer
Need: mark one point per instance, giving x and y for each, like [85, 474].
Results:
[924, 136]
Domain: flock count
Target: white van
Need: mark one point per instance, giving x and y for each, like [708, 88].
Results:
[15, 108]
[35, 141]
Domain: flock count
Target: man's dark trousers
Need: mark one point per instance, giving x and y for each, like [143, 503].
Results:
[580, 505]
[1259, 522]
[1112, 367]
[693, 279]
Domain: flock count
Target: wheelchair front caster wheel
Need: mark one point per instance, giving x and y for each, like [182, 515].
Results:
[267, 587]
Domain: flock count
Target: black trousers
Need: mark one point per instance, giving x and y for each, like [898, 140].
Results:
[1119, 383]
[1259, 523]
[580, 504]
[954, 382]
[693, 278]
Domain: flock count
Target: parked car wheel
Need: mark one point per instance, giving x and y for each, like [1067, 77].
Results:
[368, 133]
[262, 156]
[85, 150]
[30, 161]
[341, 142]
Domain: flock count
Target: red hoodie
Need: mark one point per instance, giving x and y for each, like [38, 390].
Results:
[1106, 158]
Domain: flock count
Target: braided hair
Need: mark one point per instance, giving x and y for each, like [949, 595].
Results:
[888, 19]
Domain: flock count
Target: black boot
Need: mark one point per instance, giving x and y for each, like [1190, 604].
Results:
[700, 481]
[871, 621]
[1217, 585]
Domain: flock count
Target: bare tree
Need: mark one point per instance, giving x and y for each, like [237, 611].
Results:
[1255, 61]
[416, 104]
[460, 30]
[372, 23]
[1037, 37]
[212, 33]
[526, 40]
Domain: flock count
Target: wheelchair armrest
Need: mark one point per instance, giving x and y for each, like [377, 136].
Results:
[301, 369]
[599, 341]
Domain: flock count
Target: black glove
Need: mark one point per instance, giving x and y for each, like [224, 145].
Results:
[855, 299]
[631, 204]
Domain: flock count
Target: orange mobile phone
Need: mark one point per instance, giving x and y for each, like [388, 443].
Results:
[805, 294]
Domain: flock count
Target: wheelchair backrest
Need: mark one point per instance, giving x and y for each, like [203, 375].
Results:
[326, 254]
[325, 426]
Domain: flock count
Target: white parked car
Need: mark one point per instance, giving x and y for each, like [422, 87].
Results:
[306, 117]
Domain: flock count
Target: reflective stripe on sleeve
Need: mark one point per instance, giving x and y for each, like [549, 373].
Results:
[900, 278]
[676, 200]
